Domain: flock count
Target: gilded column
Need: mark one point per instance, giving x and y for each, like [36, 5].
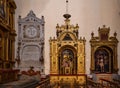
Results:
[92, 58]
[7, 10]
[6, 46]
[2, 48]
[81, 58]
[116, 60]
[13, 50]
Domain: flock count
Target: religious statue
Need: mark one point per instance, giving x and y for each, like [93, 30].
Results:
[67, 64]
[102, 61]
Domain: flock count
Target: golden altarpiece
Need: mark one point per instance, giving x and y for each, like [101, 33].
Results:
[7, 41]
[104, 60]
[67, 55]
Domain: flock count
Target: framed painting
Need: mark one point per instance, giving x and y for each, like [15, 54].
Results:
[102, 60]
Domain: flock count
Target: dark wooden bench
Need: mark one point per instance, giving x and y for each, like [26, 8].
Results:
[116, 80]
[93, 84]
[44, 83]
[109, 83]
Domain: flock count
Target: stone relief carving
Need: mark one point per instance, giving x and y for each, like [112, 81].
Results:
[30, 42]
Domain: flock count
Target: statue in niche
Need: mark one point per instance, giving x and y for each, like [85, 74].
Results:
[67, 63]
[101, 61]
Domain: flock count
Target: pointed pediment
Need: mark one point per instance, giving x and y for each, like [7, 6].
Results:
[31, 17]
[67, 37]
[31, 13]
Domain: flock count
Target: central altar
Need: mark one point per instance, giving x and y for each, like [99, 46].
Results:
[67, 55]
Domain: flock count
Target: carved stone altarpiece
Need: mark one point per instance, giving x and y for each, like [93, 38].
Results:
[31, 42]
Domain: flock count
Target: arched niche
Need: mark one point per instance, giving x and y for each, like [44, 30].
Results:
[67, 60]
[103, 60]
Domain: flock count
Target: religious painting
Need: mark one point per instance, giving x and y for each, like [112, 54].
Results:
[67, 61]
[2, 8]
[102, 60]
[67, 58]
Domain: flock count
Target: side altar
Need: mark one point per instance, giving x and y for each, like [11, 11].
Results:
[67, 55]
[104, 60]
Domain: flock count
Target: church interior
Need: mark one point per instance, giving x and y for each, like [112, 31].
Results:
[59, 44]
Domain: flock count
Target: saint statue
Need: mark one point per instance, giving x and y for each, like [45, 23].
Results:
[67, 64]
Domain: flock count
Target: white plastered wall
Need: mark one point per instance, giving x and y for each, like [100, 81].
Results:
[89, 14]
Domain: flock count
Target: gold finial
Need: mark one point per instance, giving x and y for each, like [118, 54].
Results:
[92, 34]
[66, 6]
[67, 16]
[104, 26]
[115, 34]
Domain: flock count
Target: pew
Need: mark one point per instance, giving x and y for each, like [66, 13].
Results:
[116, 80]
[45, 83]
[93, 84]
[109, 83]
